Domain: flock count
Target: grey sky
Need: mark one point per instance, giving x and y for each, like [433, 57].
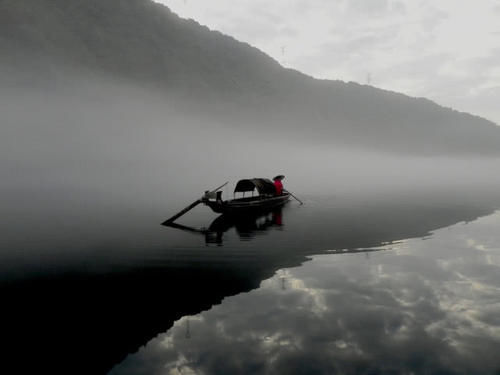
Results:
[446, 50]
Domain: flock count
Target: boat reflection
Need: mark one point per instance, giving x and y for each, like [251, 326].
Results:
[246, 226]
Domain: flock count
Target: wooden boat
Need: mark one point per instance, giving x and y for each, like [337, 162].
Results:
[265, 199]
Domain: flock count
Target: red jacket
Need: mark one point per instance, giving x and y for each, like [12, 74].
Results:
[279, 187]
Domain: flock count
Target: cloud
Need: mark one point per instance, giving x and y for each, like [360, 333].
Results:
[372, 7]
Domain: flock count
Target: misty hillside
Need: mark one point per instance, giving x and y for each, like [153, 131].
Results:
[51, 43]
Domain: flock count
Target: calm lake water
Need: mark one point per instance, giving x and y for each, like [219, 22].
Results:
[424, 305]
[401, 282]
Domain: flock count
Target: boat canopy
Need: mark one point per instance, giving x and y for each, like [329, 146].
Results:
[263, 186]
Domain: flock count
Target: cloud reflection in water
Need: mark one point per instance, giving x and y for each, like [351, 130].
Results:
[422, 306]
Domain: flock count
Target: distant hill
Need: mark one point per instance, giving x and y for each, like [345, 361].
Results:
[142, 42]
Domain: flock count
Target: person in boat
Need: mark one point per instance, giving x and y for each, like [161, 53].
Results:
[278, 184]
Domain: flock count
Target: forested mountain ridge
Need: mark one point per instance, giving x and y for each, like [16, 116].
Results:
[144, 43]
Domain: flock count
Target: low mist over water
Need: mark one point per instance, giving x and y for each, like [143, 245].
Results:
[85, 163]
[85, 168]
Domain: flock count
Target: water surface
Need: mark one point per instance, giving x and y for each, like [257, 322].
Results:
[87, 282]
[424, 305]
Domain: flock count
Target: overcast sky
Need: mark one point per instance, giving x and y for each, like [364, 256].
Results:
[445, 50]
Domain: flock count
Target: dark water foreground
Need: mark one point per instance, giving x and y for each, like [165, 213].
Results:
[179, 300]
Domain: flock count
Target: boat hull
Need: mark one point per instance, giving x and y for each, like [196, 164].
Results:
[246, 206]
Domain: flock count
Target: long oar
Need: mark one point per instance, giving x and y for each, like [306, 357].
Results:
[191, 206]
[294, 197]
[180, 213]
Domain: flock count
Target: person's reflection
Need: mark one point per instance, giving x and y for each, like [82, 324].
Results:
[278, 218]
